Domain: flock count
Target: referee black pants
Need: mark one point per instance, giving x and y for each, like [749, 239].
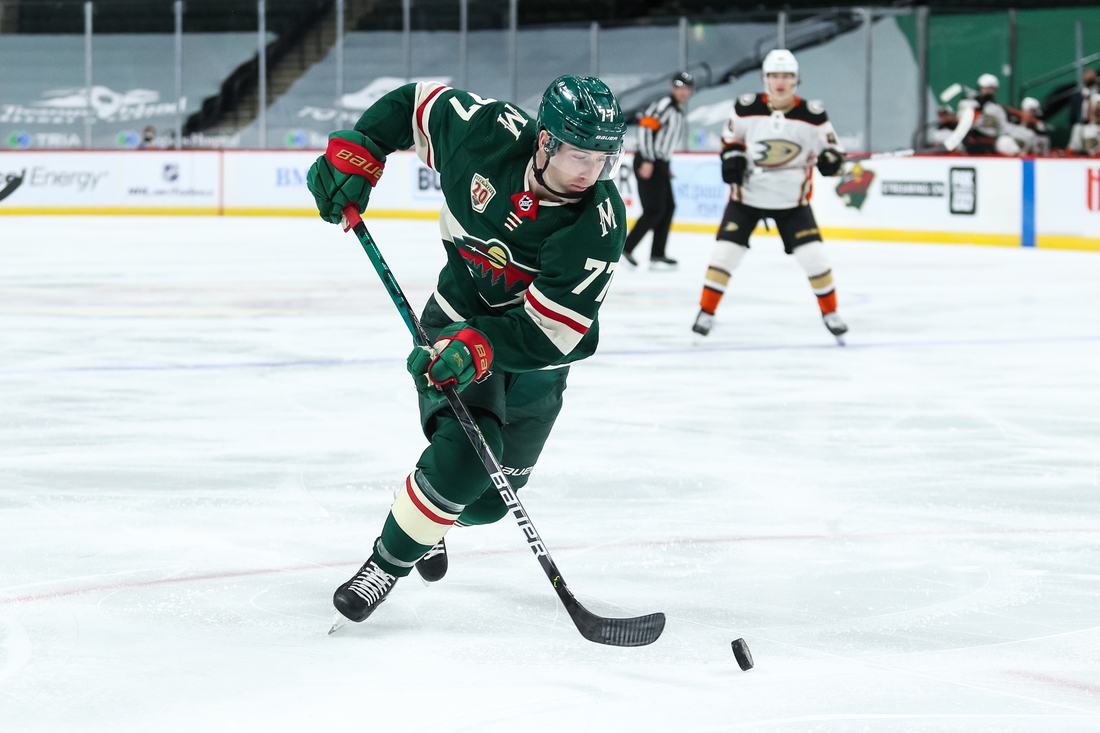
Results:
[658, 205]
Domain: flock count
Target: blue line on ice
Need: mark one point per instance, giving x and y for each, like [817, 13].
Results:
[610, 352]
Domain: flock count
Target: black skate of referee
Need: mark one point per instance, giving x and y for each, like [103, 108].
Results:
[659, 133]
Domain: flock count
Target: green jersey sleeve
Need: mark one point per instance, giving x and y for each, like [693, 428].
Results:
[427, 115]
[560, 306]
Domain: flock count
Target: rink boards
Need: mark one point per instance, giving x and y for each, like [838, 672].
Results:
[1051, 203]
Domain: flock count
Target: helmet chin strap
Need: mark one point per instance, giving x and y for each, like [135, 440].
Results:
[542, 181]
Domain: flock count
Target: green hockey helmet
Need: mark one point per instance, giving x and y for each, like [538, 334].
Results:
[581, 112]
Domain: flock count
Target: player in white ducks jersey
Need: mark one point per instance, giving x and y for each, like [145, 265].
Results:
[769, 148]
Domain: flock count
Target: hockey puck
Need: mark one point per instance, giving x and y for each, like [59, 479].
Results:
[742, 654]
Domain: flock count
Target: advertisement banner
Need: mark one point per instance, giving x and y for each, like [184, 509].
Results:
[1067, 203]
[274, 183]
[932, 199]
[937, 199]
[86, 181]
[160, 180]
[109, 183]
[945, 199]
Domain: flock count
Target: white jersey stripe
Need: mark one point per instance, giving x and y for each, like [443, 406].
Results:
[426, 94]
[563, 326]
[447, 308]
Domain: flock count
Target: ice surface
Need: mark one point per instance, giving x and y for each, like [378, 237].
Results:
[202, 423]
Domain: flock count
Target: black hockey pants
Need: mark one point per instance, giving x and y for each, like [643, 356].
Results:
[658, 206]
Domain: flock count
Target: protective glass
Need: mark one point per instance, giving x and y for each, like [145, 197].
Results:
[572, 162]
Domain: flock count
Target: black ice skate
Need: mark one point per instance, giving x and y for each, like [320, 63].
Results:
[836, 326]
[703, 323]
[433, 566]
[362, 594]
[662, 263]
[630, 258]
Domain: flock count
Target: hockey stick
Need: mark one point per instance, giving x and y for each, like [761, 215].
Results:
[962, 127]
[637, 631]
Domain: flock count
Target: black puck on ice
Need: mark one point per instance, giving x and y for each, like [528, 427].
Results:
[742, 654]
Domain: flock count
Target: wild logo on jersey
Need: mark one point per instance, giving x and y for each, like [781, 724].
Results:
[854, 185]
[493, 260]
[772, 153]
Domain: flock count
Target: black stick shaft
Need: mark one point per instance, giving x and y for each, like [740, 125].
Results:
[473, 432]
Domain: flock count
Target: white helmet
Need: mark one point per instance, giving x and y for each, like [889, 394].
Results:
[1031, 104]
[779, 61]
[988, 80]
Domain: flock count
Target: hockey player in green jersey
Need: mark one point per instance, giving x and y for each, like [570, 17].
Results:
[533, 228]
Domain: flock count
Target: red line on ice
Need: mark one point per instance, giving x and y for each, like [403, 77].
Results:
[564, 548]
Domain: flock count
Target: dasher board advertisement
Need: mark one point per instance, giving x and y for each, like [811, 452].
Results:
[109, 182]
[1067, 203]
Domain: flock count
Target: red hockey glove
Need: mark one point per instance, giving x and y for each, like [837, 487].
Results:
[345, 174]
[459, 356]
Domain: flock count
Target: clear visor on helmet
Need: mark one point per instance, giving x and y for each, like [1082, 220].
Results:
[577, 163]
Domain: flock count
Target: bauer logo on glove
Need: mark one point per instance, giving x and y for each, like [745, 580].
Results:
[345, 174]
[459, 356]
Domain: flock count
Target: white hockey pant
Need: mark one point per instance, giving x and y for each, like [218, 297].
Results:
[816, 263]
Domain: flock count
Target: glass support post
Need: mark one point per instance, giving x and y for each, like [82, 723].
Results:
[513, 50]
[261, 115]
[1012, 27]
[89, 110]
[869, 20]
[683, 43]
[1079, 51]
[921, 137]
[406, 37]
[339, 51]
[177, 10]
[594, 49]
[463, 44]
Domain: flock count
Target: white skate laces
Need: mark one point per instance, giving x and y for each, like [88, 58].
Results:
[371, 583]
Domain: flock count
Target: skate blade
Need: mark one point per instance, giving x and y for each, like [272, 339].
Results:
[338, 622]
[840, 340]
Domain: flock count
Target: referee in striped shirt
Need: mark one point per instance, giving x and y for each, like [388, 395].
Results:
[659, 133]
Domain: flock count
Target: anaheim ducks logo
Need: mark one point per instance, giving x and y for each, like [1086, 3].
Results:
[493, 259]
[772, 153]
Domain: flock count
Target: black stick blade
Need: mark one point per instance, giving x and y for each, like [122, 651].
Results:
[637, 631]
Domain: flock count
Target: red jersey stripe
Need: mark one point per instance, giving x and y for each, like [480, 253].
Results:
[423, 508]
[420, 121]
[555, 316]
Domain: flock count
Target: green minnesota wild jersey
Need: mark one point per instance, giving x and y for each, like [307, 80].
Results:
[529, 274]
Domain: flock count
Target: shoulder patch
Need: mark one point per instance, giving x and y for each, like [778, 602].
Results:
[749, 105]
[812, 112]
[481, 192]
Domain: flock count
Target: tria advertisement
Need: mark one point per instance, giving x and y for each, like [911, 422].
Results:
[1053, 203]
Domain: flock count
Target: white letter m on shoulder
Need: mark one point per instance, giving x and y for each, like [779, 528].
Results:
[607, 216]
